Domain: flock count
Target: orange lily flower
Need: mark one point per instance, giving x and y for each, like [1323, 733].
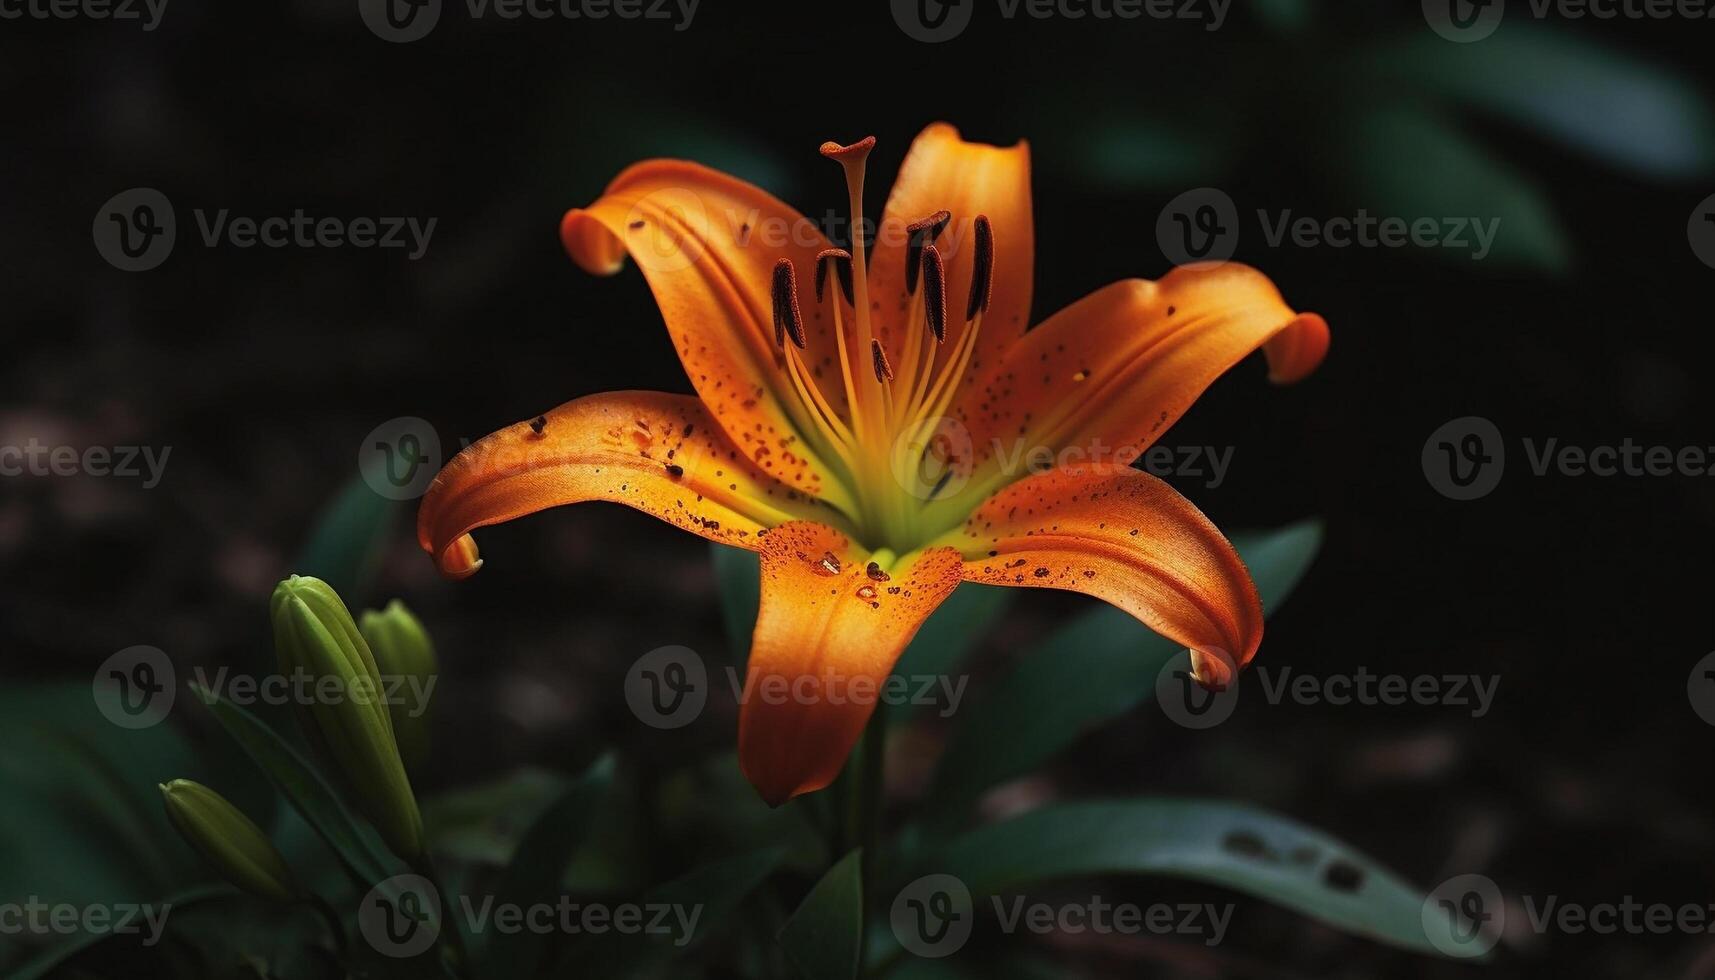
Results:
[901, 433]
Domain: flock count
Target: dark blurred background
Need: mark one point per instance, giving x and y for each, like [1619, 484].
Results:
[263, 370]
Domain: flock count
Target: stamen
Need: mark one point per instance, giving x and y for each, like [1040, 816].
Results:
[982, 270]
[841, 260]
[935, 292]
[883, 370]
[787, 318]
[919, 233]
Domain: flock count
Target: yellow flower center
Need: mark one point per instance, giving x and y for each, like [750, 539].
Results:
[891, 443]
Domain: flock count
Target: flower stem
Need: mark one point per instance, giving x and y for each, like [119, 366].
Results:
[869, 794]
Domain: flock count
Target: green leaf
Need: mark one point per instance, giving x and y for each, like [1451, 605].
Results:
[947, 637]
[823, 937]
[1278, 559]
[738, 577]
[533, 876]
[1092, 670]
[483, 824]
[1249, 850]
[46, 962]
[349, 539]
[1414, 165]
[357, 845]
[712, 891]
[82, 792]
[1592, 96]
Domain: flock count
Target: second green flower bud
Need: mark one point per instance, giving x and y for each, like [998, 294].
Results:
[314, 635]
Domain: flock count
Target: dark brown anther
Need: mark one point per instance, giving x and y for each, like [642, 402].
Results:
[883, 370]
[935, 292]
[841, 260]
[787, 319]
[919, 233]
[982, 269]
[538, 423]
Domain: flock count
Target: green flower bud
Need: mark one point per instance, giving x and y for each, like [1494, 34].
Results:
[405, 656]
[228, 840]
[314, 635]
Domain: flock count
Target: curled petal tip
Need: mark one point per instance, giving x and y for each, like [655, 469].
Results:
[460, 559]
[1297, 350]
[1213, 669]
[591, 245]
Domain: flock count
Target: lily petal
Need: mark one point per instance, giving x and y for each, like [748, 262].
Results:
[1107, 375]
[659, 453]
[827, 635]
[708, 244]
[943, 171]
[1124, 536]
